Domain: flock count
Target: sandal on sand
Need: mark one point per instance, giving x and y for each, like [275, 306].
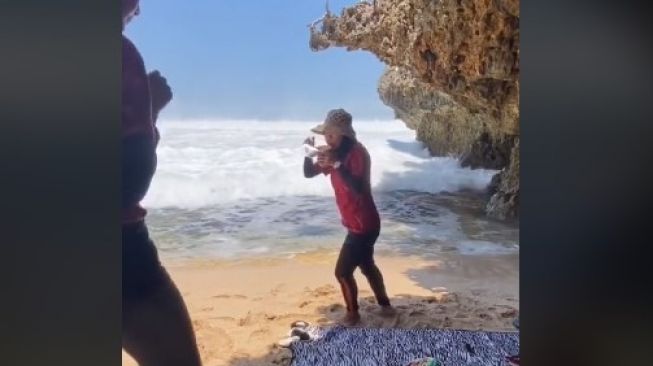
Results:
[299, 324]
[297, 333]
[300, 333]
[286, 342]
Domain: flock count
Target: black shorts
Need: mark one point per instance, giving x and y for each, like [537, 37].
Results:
[366, 239]
[141, 270]
[357, 250]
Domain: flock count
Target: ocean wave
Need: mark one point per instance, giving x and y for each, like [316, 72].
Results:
[204, 162]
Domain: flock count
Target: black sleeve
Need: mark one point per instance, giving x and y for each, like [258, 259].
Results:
[310, 170]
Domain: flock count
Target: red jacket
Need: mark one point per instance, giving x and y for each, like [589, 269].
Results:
[351, 184]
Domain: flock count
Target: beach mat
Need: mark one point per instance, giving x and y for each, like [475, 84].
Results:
[335, 346]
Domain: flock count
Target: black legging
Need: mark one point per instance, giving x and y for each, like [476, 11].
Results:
[156, 328]
[358, 251]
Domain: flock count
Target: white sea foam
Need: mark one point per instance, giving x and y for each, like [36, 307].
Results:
[203, 163]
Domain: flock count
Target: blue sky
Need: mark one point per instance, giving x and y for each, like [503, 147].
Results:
[250, 59]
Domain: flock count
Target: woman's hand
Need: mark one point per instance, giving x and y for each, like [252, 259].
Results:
[325, 159]
[310, 141]
[160, 91]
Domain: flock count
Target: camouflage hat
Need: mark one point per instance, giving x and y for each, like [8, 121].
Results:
[336, 121]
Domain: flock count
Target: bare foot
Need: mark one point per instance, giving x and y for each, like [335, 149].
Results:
[387, 311]
[351, 319]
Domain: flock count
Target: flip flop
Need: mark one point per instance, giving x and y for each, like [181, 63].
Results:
[286, 342]
[300, 333]
[299, 324]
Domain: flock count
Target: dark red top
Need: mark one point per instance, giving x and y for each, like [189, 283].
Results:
[356, 205]
[138, 133]
[136, 99]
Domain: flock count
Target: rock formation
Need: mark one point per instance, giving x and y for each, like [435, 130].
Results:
[453, 76]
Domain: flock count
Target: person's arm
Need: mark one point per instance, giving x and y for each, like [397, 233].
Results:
[161, 95]
[310, 169]
[353, 172]
[137, 146]
[136, 107]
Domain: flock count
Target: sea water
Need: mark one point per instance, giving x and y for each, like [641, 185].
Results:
[235, 189]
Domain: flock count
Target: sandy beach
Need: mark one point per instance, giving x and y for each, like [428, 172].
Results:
[240, 309]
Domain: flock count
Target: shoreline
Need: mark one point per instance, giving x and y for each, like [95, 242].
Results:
[241, 308]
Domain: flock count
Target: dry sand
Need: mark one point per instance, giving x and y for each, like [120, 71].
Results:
[240, 309]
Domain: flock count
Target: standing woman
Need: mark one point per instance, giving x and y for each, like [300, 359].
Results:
[348, 163]
[156, 327]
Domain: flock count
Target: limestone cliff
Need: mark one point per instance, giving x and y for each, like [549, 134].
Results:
[446, 127]
[453, 76]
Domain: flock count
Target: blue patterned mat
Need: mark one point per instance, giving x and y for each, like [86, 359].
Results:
[397, 347]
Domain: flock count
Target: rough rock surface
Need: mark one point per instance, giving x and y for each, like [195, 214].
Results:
[453, 76]
[446, 127]
[504, 202]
